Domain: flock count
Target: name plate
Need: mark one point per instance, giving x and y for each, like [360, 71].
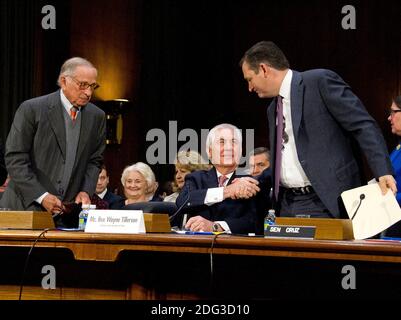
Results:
[115, 221]
[280, 231]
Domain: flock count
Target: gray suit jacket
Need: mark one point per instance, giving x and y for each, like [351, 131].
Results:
[36, 147]
[326, 116]
[3, 171]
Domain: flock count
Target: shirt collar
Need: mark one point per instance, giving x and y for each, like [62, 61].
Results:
[229, 175]
[285, 89]
[102, 194]
[66, 103]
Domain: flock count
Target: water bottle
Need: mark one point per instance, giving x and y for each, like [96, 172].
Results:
[270, 219]
[83, 215]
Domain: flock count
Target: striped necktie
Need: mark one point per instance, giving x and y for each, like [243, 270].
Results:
[222, 180]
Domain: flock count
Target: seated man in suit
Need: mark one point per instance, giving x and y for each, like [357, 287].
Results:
[259, 160]
[101, 189]
[217, 199]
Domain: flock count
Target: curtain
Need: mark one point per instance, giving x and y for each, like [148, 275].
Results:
[16, 58]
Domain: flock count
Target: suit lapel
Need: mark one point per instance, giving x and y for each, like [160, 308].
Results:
[297, 97]
[212, 181]
[232, 178]
[56, 120]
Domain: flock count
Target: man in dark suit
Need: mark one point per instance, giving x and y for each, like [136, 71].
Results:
[3, 170]
[212, 200]
[321, 117]
[103, 192]
[259, 160]
[55, 145]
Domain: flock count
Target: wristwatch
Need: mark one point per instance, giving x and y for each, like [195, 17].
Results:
[215, 227]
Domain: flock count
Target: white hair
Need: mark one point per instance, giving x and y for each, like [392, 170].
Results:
[212, 134]
[144, 170]
[69, 66]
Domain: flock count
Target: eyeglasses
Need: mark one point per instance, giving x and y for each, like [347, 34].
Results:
[85, 85]
[392, 112]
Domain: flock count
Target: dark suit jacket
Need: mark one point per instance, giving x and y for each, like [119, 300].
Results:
[3, 171]
[36, 147]
[326, 116]
[112, 198]
[240, 215]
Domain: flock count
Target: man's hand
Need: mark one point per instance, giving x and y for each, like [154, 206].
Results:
[242, 188]
[83, 198]
[52, 204]
[387, 182]
[199, 223]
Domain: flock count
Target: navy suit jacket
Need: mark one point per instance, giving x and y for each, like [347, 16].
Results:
[111, 198]
[240, 214]
[326, 117]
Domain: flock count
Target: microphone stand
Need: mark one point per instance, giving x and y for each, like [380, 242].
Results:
[361, 197]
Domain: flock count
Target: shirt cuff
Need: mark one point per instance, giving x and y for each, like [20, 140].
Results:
[224, 225]
[40, 199]
[214, 195]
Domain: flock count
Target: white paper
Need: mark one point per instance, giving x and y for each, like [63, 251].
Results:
[376, 212]
[115, 221]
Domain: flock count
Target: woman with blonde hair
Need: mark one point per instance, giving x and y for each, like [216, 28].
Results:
[185, 163]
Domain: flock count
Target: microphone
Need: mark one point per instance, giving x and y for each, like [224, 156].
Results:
[361, 197]
[181, 206]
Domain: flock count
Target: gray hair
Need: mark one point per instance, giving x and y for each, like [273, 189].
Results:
[69, 66]
[144, 170]
[212, 134]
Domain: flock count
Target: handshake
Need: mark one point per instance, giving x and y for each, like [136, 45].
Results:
[241, 188]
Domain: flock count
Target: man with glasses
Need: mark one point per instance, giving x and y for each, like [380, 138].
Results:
[54, 149]
[313, 158]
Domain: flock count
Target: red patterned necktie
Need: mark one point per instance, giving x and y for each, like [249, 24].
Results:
[73, 112]
[222, 180]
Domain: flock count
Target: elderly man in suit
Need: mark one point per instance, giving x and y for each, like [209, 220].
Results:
[55, 145]
[313, 118]
[212, 200]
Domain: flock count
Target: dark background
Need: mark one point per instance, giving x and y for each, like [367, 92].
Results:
[178, 60]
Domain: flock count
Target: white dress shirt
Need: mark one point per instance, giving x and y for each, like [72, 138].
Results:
[216, 195]
[292, 175]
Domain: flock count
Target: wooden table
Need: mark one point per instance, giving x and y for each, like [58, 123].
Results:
[171, 266]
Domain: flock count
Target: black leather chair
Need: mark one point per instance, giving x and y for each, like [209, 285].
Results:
[153, 207]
